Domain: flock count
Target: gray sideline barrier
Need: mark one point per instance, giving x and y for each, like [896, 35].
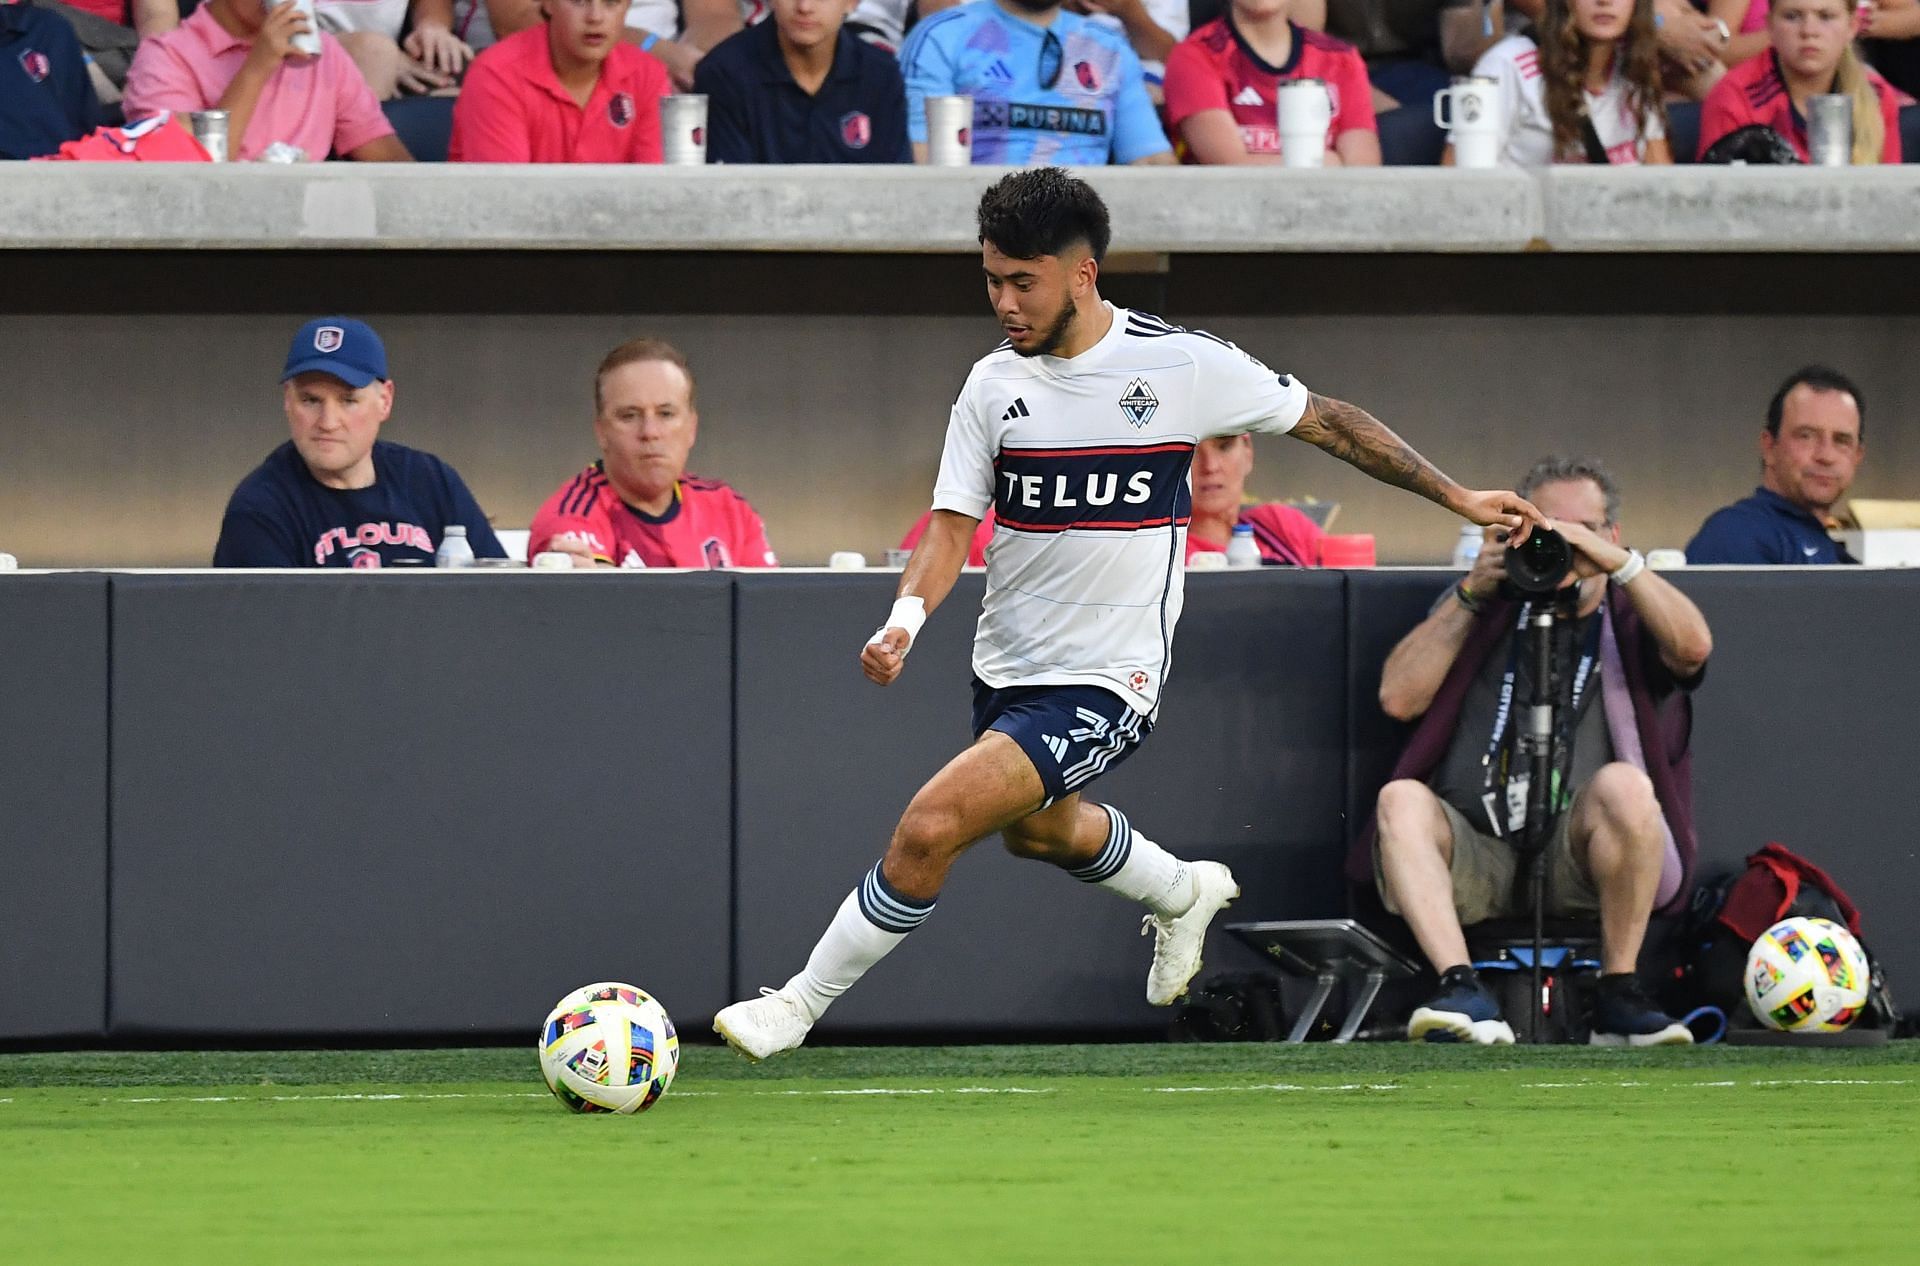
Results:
[53, 807]
[400, 806]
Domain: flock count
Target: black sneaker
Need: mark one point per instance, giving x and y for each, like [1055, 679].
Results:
[1463, 1011]
[1625, 1014]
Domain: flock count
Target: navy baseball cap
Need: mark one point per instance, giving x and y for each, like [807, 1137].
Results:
[341, 346]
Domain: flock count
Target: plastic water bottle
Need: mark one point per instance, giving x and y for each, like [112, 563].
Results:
[1466, 550]
[454, 550]
[1243, 550]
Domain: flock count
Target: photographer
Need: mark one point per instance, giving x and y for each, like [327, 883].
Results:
[1631, 647]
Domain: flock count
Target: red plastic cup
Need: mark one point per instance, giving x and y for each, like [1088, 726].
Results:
[1347, 551]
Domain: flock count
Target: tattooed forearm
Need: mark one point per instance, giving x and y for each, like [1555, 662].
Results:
[1364, 442]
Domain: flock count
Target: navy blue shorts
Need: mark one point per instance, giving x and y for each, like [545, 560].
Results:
[1072, 734]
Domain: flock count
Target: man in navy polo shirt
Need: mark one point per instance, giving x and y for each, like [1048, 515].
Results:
[46, 99]
[1809, 453]
[801, 89]
[336, 494]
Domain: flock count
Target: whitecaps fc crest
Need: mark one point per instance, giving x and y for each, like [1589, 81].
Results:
[1139, 403]
[328, 339]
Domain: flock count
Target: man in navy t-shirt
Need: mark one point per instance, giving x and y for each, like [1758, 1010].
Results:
[1809, 454]
[336, 495]
[46, 98]
[800, 89]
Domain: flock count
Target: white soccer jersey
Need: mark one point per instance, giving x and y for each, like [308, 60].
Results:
[1085, 462]
[1527, 129]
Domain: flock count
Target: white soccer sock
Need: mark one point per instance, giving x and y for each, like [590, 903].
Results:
[1134, 866]
[869, 923]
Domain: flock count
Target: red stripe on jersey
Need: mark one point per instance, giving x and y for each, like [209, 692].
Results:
[1099, 452]
[1099, 525]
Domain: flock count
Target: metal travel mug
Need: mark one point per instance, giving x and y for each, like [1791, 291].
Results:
[949, 131]
[1830, 129]
[683, 129]
[1470, 111]
[209, 127]
[310, 42]
[1305, 113]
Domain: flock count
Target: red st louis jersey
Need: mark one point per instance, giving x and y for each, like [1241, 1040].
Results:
[1286, 537]
[708, 525]
[1753, 92]
[1214, 69]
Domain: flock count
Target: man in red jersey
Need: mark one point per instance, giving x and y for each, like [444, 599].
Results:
[1223, 83]
[637, 506]
[565, 91]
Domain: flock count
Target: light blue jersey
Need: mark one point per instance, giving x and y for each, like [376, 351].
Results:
[1070, 94]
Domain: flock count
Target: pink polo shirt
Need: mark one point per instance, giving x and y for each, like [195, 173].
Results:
[512, 109]
[322, 105]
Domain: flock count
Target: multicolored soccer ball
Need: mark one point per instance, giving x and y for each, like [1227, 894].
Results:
[1807, 976]
[609, 1048]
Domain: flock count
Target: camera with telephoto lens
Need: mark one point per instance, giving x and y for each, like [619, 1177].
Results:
[1540, 564]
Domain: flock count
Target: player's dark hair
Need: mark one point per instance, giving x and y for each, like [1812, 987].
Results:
[1820, 378]
[633, 352]
[1043, 211]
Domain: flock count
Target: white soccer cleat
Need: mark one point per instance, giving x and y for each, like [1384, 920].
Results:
[771, 1024]
[1177, 941]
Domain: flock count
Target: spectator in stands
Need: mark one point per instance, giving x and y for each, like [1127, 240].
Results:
[46, 99]
[1584, 88]
[1408, 46]
[1032, 101]
[677, 32]
[1223, 83]
[1812, 52]
[567, 91]
[431, 58]
[1151, 27]
[238, 56]
[1815, 436]
[1692, 45]
[803, 89]
[110, 31]
[1623, 839]
[336, 494]
[1286, 536]
[637, 506]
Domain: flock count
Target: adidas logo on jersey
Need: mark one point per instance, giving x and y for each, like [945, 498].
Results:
[1249, 96]
[998, 72]
[1058, 746]
[1018, 409]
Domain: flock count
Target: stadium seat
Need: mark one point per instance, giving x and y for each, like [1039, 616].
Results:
[1410, 138]
[1910, 133]
[1683, 130]
[424, 125]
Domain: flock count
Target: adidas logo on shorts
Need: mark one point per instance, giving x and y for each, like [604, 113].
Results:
[1058, 746]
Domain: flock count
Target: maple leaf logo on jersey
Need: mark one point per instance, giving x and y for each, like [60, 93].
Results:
[1089, 78]
[620, 109]
[1249, 96]
[1139, 403]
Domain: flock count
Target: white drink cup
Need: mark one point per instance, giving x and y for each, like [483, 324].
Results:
[949, 131]
[1470, 111]
[310, 42]
[847, 560]
[1306, 112]
[683, 129]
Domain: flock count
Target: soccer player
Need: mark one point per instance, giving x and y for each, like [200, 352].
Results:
[1077, 431]
[637, 506]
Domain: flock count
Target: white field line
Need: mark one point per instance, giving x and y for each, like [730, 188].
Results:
[1270, 1086]
[1683, 1085]
[393, 1096]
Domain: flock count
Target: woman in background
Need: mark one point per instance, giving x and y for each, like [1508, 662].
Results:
[1810, 52]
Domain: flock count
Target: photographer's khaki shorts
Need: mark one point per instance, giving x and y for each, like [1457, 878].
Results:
[1483, 875]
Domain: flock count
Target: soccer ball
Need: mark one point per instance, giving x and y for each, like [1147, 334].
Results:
[1807, 976]
[609, 1048]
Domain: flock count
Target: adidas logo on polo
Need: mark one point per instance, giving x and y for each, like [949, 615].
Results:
[1249, 96]
[1018, 409]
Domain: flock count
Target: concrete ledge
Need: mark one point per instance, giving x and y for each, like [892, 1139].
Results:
[824, 209]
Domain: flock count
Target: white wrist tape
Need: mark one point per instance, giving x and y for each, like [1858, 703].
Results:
[1627, 571]
[908, 614]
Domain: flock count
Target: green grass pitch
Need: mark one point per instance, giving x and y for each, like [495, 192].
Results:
[989, 1155]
